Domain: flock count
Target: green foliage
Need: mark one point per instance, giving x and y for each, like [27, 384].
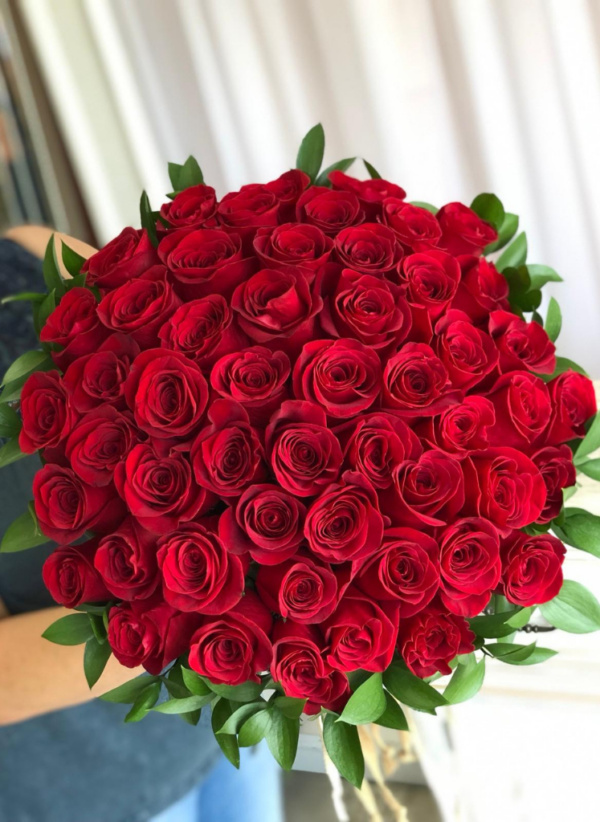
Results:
[186, 175]
[185, 705]
[410, 690]
[427, 206]
[490, 209]
[311, 151]
[128, 692]
[393, 715]
[72, 261]
[74, 629]
[553, 320]
[247, 692]
[254, 729]
[590, 443]
[95, 657]
[493, 625]
[26, 364]
[290, 706]
[221, 712]
[373, 173]
[51, 271]
[581, 530]
[343, 746]
[239, 715]
[466, 681]
[506, 232]
[10, 452]
[575, 609]
[591, 468]
[542, 274]
[147, 219]
[282, 734]
[515, 255]
[341, 165]
[22, 534]
[195, 683]
[367, 703]
[144, 702]
[10, 422]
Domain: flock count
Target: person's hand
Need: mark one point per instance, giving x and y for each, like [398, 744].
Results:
[35, 239]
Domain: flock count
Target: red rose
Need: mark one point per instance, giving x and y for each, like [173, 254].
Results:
[461, 428]
[126, 561]
[122, 259]
[406, 569]
[345, 523]
[70, 576]
[482, 289]
[303, 589]
[432, 638]
[555, 464]
[432, 279]
[248, 209]
[468, 353]
[299, 666]
[416, 383]
[67, 507]
[205, 261]
[287, 188]
[428, 491]
[190, 208]
[267, 522]
[522, 406]
[521, 345]
[203, 330]
[159, 490]
[463, 232]
[227, 455]
[46, 411]
[417, 229]
[304, 454]
[254, 377]
[504, 486]
[149, 634]
[293, 244]
[361, 634]
[99, 442]
[276, 306]
[370, 248]
[532, 568]
[331, 211]
[369, 309]
[371, 193]
[99, 379]
[573, 403]
[470, 565]
[376, 444]
[139, 307]
[343, 376]
[199, 574]
[167, 393]
[234, 648]
[75, 325]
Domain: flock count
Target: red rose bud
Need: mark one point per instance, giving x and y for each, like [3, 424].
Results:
[522, 406]
[99, 379]
[46, 411]
[75, 326]
[236, 647]
[267, 522]
[126, 561]
[469, 565]
[482, 289]
[427, 491]
[461, 428]
[140, 307]
[532, 568]
[70, 576]
[251, 207]
[468, 353]
[122, 259]
[432, 638]
[521, 345]
[299, 666]
[304, 454]
[371, 193]
[331, 211]
[295, 245]
[573, 403]
[416, 228]
[287, 188]
[370, 248]
[303, 589]
[227, 455]
[463, 231]
[199, 574]
[191, 208]
[406, 569]
[342, 376]
[167, 393]
[416, 383]
[345, 523]
[99, 442]
[556, 466]
[432, 279]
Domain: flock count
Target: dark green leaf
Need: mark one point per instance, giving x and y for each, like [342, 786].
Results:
[254, 729]
[221, 712]
[11, 452]
[191, 717]
[427, 206]
[174, 172]
[563, 364]
[506, 232]
[51, 271]
[72, 261]
[289, 706]
[510, 653]
[367, 703]
[493, 625]
[22, 534]
[26, 364]
[536, 317]
[10, 422]
[147, 219]
[74, 629]
[590, 442]
[97, 623]
[542, 274]
[515, 255]
[341, 165]
[181, 706]
[45, 309]
[312, 149]
[490, 209]
[282, 736]
[143, 702]
[175, 684]
[575, 609]
[343, 746]
[190, 174]
[410, 690]
[582, 530]
[95, 657]
[128, 692]
[465, 683]
[373, 173]
[240, 715]
[194, 682]
[553, 320]
[23, 296]
[393, 716]
[248, 692]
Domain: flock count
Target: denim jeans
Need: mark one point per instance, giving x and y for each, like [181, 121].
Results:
[252, 794]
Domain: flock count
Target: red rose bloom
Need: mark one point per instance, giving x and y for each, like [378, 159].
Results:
[295, 245]
[428, 491]
[432, 279]
[417, 229]
[70, 576]
[266, 522]
[555, 464]
[482, 289]
[432, 638]
[75, 325]
[461, 428]
[521, 345]
[406, 569]
[287, 188]
[573, 403]
[303, 589]
[371, 193]
[470, 565]
[190, 208]
[467, 352]
[46, 411]
[99, 378]
[126, 561]
[99, 442]
[331, 211]
[416, 383]
[532, 568]
[370, 248]
[199, 574]
[122, 259]
[248, 209]
[463, 232]
[234, 648]
[342, 376]
[522, 407]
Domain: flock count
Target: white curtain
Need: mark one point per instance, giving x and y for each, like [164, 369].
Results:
[446, 97]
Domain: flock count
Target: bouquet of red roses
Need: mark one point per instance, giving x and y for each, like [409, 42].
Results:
[305, 449]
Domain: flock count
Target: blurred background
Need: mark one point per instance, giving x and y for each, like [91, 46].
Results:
[447, 98]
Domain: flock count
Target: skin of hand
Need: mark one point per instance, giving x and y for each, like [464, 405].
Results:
[37, 676]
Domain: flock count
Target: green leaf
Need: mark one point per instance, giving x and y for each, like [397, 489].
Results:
[128, 692]
[221, 712]
[194, 682]
[341, 165]
[74, 629]
[72, 261]
[26, 364]
[542, 274]
[45, 309]
[510, 653]
[247, 692]
[97, 623]
[410, 690]
[185, 705]
[590, 442]
[10, 422]
[374, 174]
[147, 219]
[343, 746]
[282, 736]
[11, 452]
[539, 655]
[506, 232]
[465, 683]
[520, 619]
[24, 296]
[427, 206]
[575, 609]
[493, 625]
[174, 172]
[144, 701]
[553, 320]
[191, 717]
[290, 706]
[51, 271]
[254, 729]
[536, 317]
[581, 530]
[591, 468]
[311, 151]
[190, 174]
[95, 657]
[393, 716]
[22, 534]
[174, 683]
[237, 718]
[515, 255]
[490, 209]
[366, 704]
